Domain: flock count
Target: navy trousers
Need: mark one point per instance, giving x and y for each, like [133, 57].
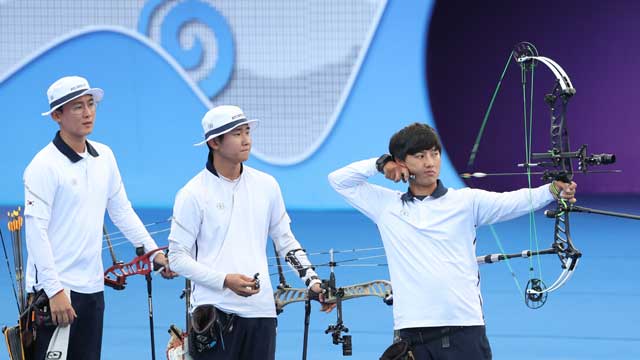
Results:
[461, 343]
[250, 339]
[85, 336]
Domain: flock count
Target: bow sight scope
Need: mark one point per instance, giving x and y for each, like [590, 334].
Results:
[600, 159]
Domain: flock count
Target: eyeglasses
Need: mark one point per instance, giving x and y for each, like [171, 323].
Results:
[79, 107]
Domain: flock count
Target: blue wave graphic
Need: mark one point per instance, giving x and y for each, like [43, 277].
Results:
[179, 16]
[151, 113]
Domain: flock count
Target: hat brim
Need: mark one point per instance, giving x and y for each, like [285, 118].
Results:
[97, 94]
[215, 135]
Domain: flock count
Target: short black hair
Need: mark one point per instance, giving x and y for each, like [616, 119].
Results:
[413, 139]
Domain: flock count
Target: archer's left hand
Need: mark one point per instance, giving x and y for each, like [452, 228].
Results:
[567, 191]
[161, 261]
[316, 288]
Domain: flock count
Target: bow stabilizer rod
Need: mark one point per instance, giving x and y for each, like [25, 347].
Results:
[338, 328]
[580, 209]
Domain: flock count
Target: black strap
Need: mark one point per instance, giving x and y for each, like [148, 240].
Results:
[426, 336]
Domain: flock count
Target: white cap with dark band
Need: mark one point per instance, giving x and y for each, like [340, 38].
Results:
[68, 88]
[222, 119]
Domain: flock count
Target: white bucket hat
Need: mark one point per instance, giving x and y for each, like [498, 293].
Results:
[68, 88]
[222, 119]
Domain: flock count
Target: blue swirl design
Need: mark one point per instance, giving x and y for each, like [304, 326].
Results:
[182, 14]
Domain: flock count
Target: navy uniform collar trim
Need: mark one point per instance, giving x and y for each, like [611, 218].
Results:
[437, 193]
[212, 169]
[67, 151]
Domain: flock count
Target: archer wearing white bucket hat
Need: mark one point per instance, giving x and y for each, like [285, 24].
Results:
[222, 119]
[68, 186]
[227, 212]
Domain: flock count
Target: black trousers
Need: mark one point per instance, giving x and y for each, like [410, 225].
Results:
[449, 343]
[250, 339]
[85, 336]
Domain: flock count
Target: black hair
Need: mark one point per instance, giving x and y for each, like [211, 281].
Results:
[413, 139]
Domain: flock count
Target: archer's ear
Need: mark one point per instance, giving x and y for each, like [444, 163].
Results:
[214, 144]
[56, 116]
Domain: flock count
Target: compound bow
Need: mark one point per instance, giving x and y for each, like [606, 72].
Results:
[558, 162]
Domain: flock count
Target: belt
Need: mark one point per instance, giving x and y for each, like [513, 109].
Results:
[426, 335]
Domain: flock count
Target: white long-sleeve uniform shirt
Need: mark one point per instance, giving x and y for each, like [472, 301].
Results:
[221, 226]
[66, 195]
[430, 243]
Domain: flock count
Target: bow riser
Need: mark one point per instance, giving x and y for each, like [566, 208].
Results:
[377, 288]
[116, 276]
